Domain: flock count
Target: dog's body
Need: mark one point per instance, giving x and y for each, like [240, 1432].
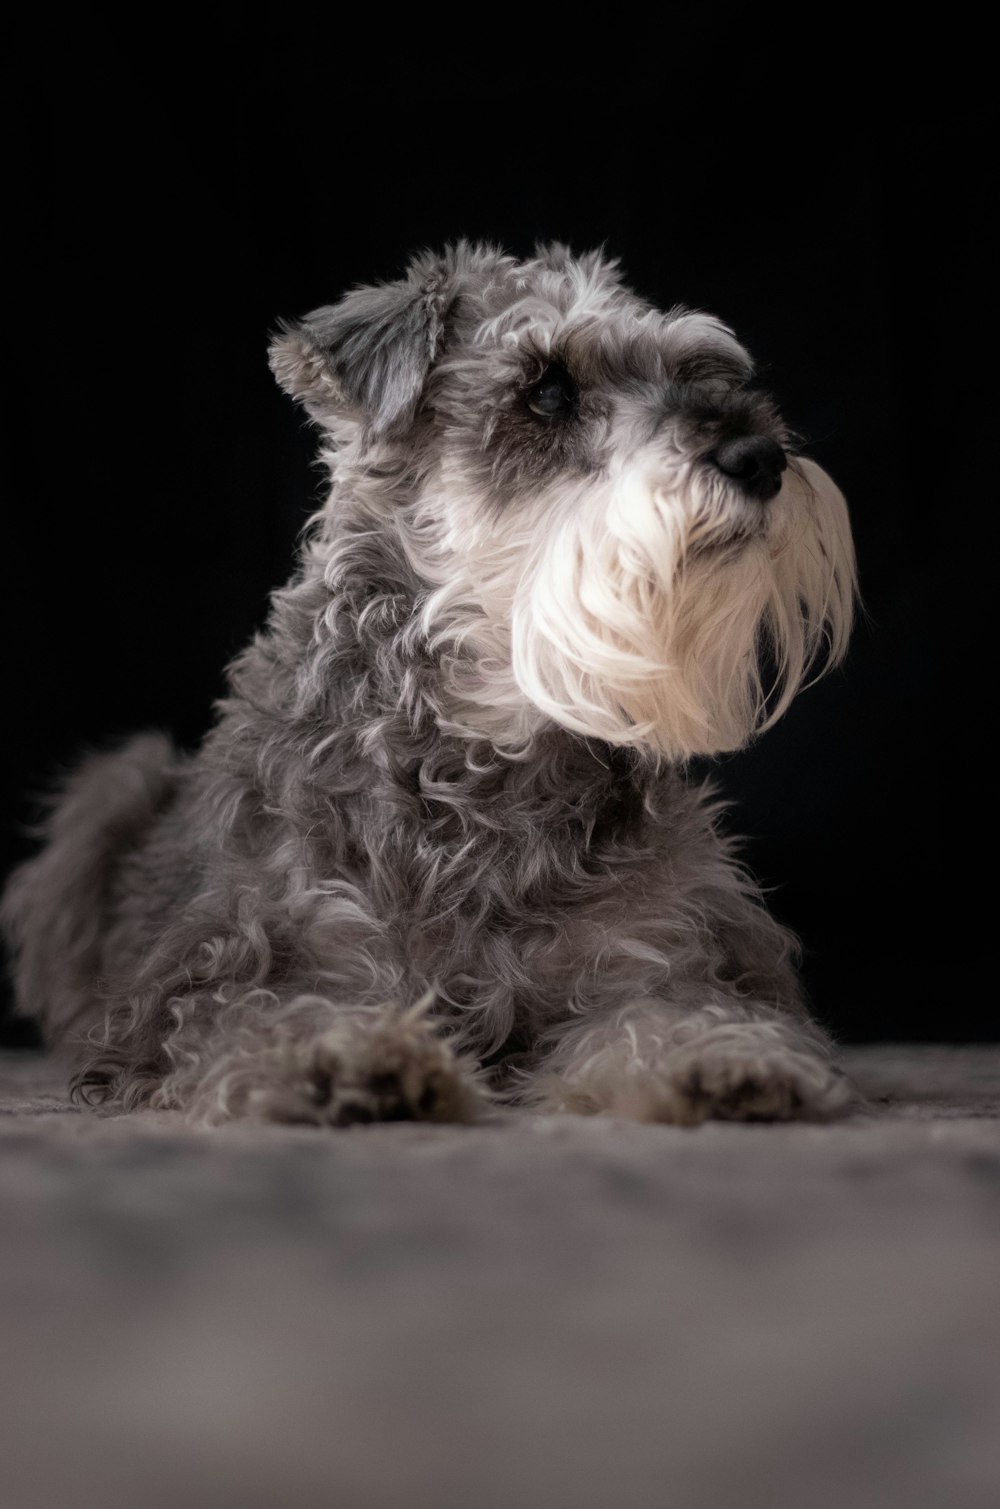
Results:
[438, 836]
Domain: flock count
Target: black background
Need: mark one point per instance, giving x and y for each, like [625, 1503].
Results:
[173, 195]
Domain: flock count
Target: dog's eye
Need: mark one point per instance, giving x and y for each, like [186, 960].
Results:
[554, 395]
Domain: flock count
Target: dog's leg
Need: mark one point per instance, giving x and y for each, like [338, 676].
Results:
[733, 1060]
[299, 1059]
[692, 1007]
[655, 1061]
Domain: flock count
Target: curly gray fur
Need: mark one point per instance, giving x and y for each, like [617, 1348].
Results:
[228, 932]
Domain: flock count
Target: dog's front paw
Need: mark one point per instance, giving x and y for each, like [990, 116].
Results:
[730, 1077]
[730, 1082]
[392, 1068]
[738, 1073]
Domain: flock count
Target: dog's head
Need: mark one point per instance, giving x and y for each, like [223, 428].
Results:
[611, 523]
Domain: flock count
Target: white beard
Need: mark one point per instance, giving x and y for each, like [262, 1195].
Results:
[635, 609]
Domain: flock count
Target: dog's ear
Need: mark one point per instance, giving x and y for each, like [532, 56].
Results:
[368, 356]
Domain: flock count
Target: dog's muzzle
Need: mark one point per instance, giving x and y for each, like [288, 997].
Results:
[754, 462]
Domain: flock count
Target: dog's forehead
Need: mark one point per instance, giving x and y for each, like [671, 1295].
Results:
[579, 306]
[547, 291]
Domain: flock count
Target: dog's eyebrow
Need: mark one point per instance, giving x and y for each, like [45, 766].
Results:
[703, 366]
[642, 355]
[614, 358]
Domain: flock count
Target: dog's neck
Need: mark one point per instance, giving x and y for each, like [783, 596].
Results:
[345, 680]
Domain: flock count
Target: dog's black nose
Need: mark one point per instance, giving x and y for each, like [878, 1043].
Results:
[753, 461]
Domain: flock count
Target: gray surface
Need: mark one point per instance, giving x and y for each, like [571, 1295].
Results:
[544, 1311]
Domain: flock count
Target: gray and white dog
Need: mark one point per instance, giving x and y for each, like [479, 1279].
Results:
[439, 846]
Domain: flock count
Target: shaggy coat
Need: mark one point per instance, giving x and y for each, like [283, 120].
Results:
[438, 845]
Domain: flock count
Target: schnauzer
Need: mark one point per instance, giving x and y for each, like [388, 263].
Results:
[439, 847]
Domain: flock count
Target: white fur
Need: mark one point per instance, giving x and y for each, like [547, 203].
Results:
[633, 608]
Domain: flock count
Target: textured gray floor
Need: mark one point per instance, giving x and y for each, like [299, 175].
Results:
[539, 1312]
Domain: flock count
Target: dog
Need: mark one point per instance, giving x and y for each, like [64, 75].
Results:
[439, 849]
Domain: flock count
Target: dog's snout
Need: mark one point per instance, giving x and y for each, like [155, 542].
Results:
[754, 461]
